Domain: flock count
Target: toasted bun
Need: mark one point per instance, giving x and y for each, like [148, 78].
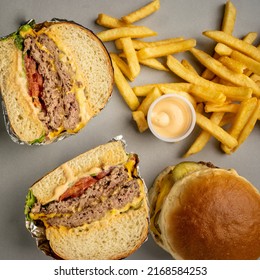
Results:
[56, 182]
[93, 69]
[211, 214]
[115, 238]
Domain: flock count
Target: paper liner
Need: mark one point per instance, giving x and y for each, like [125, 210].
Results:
[37, 228]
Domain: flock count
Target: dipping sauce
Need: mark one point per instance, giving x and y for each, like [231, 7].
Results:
[171, 117]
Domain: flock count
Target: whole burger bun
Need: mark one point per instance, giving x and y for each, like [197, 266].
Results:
[202, 212]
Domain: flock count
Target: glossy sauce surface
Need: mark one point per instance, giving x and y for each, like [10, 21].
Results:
[171, 117]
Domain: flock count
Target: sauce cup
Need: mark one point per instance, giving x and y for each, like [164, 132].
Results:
[171, 117]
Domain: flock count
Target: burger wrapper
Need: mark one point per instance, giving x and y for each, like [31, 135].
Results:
[37, 230]
[8, 126]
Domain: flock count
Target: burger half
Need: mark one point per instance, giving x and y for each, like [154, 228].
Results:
[199, 211]
[54, 77]
[91, 207]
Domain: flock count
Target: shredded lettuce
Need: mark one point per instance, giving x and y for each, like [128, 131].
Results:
[30, 201]
[39, 140]
[18, 38]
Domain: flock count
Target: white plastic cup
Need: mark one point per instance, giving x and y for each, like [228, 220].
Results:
[190, 111]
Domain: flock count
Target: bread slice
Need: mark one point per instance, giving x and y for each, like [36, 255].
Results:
[21, 113]
[88, 57]
[114, 238]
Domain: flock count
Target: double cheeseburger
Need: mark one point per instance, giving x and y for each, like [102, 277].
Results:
[54, 77]
[199, 211]
[91, 207]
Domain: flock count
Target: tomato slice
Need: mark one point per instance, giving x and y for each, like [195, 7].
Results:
[78, 188]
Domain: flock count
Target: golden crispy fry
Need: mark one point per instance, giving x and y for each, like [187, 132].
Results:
[109, 22]
[200, 108]
[250, 63]
[232, 64]
[255, 77]
[142, 12]
[140, 120]
[245, 111]
[124, 88]
[234, 43]
[149, 99]
[167, 90]
[186, 64]
[204, 136]
[222, 49]
[227, 26]
[223, 72]
[249, 125]
[163, 50]
[234, 93]
[144, 90]
[229, 18]
[228, 118]
[206, 94]
[122, 66]
[125, 31]
[219, 133]
[131, 56]
[142, 44]
[228, 108]
[153, 63]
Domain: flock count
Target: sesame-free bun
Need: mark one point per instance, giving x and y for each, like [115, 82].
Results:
[211, 213]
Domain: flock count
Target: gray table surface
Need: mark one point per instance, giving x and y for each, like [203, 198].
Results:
[21, 166]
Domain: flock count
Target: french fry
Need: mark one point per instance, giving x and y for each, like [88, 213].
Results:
[142, 12]
[227, 26]
[142, 91]
[250, 63]
[186, 64]
[163, 50]
[200, 108]
[203, 137]
[149, 99]
[242, 117]
[237, 93]
[124, 88]
[255, 77]
[109, 22]
[125, 31]
[229, 18]
[232, 64]
[227, 108]
[140, 120]
[222, 49]
[122, 66]
[234, 43]
[223, 72]
[153, 63]
[142, 44]
[249, 126]
[207, 94]
[219, 133]
[131, 56]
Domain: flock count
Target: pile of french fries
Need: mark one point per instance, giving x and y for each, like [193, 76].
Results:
[226, 95]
